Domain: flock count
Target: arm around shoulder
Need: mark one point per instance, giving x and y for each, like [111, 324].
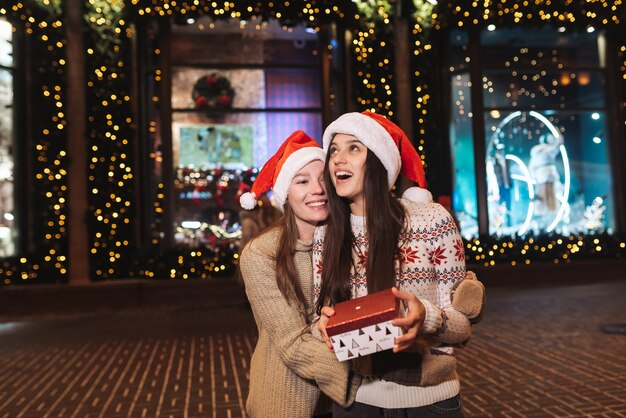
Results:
[469, 298]
[288, 330]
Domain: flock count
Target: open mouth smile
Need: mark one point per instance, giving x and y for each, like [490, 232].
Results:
[343, 175]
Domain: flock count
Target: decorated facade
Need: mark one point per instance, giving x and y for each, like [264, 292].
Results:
[516, 108]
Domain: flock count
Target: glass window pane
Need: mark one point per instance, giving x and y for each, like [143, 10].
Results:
[461, 139]
[457, 55]
[293, 88]
[244, 145]
[7, 231]
[210, 153]
[282, 124]
[546, 145]
[285, 88]
[239, 89]
[6, 45]
[202, 41]
[208, 88]
[546, 48]
[541, 89]
[462, 146]
[548, 172]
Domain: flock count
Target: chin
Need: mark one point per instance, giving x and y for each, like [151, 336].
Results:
[343, 193]
[319, 217]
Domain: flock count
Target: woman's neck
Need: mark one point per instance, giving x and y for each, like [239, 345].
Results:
[305, 230]
[357, 208]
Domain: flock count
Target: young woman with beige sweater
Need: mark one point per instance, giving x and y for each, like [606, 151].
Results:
[289, 366]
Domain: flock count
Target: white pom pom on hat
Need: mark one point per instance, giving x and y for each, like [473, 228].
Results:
[418, 195]
[389, 143]
[248, 200]
[297, 151]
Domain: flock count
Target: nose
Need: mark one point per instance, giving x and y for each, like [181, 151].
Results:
[317, 187]
[338, 157]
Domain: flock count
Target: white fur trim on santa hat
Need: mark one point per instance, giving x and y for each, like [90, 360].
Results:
[291, 166]
[418, 195]
[373, 135]
[248, 200]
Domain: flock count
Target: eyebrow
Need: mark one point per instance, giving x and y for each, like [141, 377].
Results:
[349, 142]
[302, 175]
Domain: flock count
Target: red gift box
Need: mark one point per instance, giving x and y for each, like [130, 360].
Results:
[363, 326]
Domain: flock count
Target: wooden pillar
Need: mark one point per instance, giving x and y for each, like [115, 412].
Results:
[325, 56]
[77, 144]
[349, 103]
[402, 89]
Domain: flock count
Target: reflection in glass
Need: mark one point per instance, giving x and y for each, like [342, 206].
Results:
[547, 172]
[457, 55]
[462, 146]
[540, 88]
[546, 149]
[461, 139]
[276, 89]
[542, 68]
[6, 43]
[543, 47]
[7, 239]
[546, 156]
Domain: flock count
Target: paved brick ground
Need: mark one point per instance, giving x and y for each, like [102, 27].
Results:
[538, 353]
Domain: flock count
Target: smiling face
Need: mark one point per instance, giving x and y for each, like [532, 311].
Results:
[347, 156]
[307, 198]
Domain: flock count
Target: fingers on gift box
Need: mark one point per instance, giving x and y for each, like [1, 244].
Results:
[362, 326]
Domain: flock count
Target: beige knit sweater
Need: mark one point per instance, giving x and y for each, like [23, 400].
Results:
[289, 366]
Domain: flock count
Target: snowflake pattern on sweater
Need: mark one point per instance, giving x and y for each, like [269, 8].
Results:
[430, 261]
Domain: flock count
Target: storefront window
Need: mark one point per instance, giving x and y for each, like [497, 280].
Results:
[7, 226]
[237, 92]
[546, 156]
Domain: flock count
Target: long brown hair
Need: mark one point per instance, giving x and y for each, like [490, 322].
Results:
[384, 217]
[286, 274]
[268, 213]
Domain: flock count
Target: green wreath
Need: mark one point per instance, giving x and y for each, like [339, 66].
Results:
[213, 92]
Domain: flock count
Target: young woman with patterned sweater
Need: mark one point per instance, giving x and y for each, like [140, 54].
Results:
[374, 241]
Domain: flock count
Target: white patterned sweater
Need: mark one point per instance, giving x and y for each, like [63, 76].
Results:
[430, 262]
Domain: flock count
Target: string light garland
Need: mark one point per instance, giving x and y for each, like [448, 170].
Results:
[544, 249]
[48, 261]
[373, 66]
[289, 13]
[110, 130]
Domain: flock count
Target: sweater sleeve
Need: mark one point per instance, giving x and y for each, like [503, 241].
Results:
[288, 332]
[443, 322]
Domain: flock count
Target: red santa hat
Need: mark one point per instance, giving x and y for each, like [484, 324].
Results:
[297, 151]
[389, 143]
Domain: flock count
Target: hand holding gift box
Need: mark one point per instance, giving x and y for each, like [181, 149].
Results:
[372, 323]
